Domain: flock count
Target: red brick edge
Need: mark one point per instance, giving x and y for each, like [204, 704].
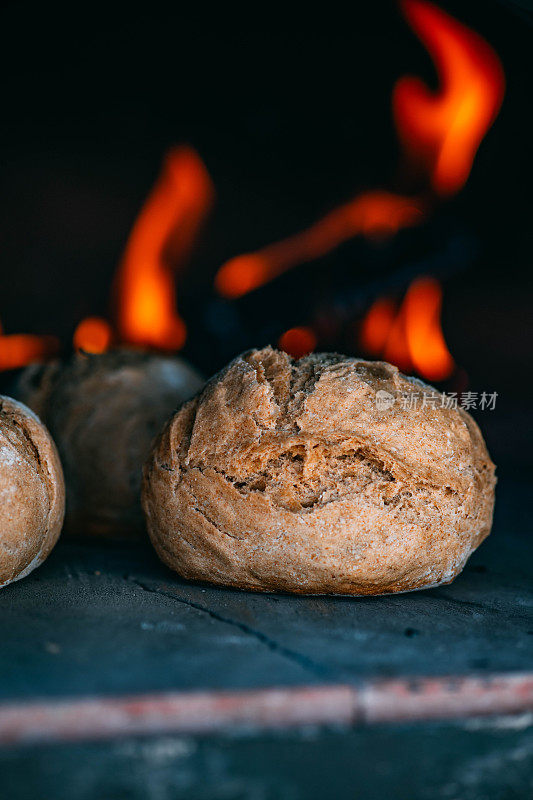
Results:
[205, 712]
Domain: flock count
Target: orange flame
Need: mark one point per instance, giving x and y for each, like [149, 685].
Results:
[93, 335]
[297, 342]
[19, 349]
[377, 324]
[159, 244]
[376, 213]
[443, 130]
[425, 340]
[412, 337]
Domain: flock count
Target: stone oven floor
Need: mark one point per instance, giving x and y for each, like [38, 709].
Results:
[109, 659]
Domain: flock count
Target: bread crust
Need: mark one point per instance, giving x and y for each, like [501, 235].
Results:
[32, 492]
[291, 476]
[103, 412]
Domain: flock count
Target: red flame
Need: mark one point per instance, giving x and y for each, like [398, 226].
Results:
[93, 335]
[19, 349]
[411, 337]
[159, 244]
[297, 342]
[443, 130]
[372, 214]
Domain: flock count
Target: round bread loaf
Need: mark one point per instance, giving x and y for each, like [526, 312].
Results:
[32, 492]
[318, 476]
[103, 412]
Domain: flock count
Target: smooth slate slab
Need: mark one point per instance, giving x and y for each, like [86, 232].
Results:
[110, 619]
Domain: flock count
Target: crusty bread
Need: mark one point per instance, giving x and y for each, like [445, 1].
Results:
[103, 412]
[316, 476]
[32, 492]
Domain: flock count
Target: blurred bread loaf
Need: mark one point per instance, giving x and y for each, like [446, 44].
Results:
[103, 412]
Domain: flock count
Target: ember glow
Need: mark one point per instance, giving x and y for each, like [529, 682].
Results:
[93, 335]
[373, 214]
[410, 337]
[442, 130]
[297, 342]
[19, 349]
[158, 247]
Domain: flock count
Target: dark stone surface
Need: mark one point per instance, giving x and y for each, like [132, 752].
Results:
[471, 760]
[110, 619]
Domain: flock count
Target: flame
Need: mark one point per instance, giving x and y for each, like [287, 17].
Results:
[396, 349]
[377, 213]
[443, 129]
[410, 337]
[297, 342]
[377, 324]
[19, 349]
[425, 340]
[93, 335]
[159, 244]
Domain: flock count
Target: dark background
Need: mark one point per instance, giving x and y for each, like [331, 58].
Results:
[292, 117]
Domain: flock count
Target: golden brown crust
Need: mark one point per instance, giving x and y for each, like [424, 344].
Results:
[104, 411]
[32, 491]
[290, 476]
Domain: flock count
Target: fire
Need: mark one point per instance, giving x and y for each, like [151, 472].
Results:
[19, 349]
[297, 342]
[440, 131]
[93, 335]
[410, 337]
[159, 244]
[443, 130]
[377, 324]
[396, 348]
[373, 214]
[425, 340]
